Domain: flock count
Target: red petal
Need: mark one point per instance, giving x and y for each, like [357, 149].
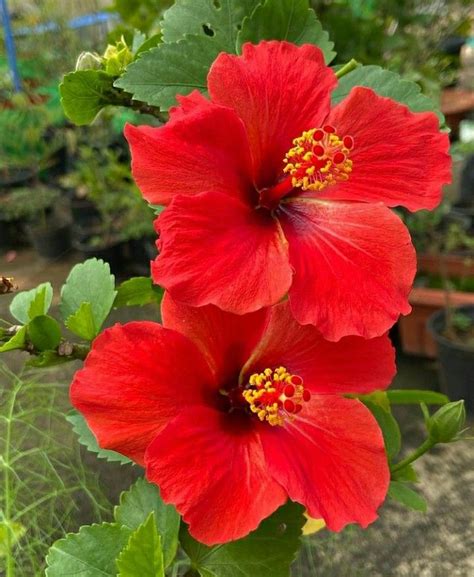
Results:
[279, 90]
[135, 379]
[225, 339]
[211, 466]
[204, 148]
[400, 157]
[216, 250]
[354, 266]
[332, 460]
[188, 104]
[352, 365]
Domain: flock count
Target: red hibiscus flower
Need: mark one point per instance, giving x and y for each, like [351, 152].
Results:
[231, 415]
[270, 191]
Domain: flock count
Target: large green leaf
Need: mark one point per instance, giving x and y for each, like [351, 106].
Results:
[142, 557]
[138, 291]
[81, 323]
[219, 20]
[135, 506]
[29, 304]
[90, 553]
[170, 69]
[86, 438]
[290, 20]
[44, 333]
[267, 552]
[400, 492]
[388, 84]
[389, 426]
[415, 397]
[88, 282]
[84, 93]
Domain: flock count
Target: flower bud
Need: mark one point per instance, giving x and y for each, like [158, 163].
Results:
[445, 425]
[88, 61]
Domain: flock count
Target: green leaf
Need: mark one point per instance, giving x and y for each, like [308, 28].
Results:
[47, 359]
[84, 93]
[81, 323]
[88, 282]
[90, 553]
[29, 304]
[218, 21]
[414, 397]
[135, 506]
[390, 429]
[388, 84]
[290, 20]
[407, 474]
[142, 557]
[16, 530]
[16, 342]
[266, 552]
[86, 438]
[44, 332]
[148, 44]
[408, 497]
[170, 69]
[138, 291]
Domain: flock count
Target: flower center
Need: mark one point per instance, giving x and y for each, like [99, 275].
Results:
[275, 395]
[319, 158]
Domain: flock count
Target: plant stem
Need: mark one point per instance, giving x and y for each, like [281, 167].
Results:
[348, 67]
[417, 453]
[10, 566]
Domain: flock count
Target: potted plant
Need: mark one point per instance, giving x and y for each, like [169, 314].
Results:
[112, 211]
[444, 249]
[37, 212]
[31, 138]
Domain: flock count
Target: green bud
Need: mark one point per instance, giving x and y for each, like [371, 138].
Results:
[117, 57]
[445, 425]
[89, 61]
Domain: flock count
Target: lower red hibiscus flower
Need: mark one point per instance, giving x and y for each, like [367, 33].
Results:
[232, 415]
[270, 190]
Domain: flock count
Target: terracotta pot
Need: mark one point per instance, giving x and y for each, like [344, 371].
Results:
[457, 265]
[415, 337]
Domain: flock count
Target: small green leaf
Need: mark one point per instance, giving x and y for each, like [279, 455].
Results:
[142, 557]
[29, 304]
[81, 323]
[88, 282]
[86, 438]
[44, 332]
[135, 506]
[170, 69]
[90, 553]
[138, 291]
[84, 93]
[16, 342]
[407, 474]
[389, 84]
[266, 552]
[219, 21]
[408, 497]
[389, 426]
[414, 397]
[290, 20]
[16, 530]
[148, 44]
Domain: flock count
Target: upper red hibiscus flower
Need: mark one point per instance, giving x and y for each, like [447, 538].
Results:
[270, 190]
[233, 414]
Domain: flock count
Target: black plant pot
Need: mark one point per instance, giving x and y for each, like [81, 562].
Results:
[112, 253]
[456, 360]
[12, 234]
[84, 214]
[51, 242]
